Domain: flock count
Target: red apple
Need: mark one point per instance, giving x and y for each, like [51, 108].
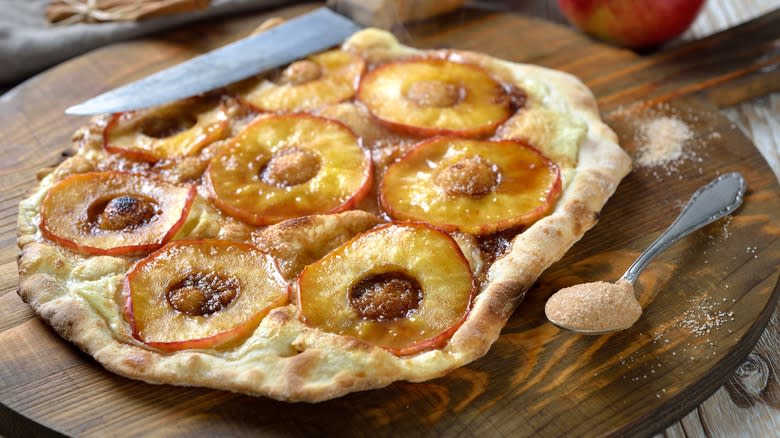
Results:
[635, 24]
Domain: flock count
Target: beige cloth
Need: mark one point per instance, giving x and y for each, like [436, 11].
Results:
[29, 44]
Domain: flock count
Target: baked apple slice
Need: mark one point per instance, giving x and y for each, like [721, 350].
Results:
[113, 213]
[472, 186]
[182, 128]
[435, 96]
[402, 287]
[308, 84]
[201, 294]
[288, 166]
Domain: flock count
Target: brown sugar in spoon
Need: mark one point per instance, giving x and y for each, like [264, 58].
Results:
[600, 307]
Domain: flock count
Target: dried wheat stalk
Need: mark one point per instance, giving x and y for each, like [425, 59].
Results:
[64, 12]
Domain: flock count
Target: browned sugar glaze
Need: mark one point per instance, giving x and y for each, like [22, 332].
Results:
[473, 176]
[386, 296]
[162, 127]
[434, 93]
[301, 72]
[202, 293]
[291, 166]
[121, 212]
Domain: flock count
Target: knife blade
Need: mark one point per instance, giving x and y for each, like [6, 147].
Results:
[294, 39]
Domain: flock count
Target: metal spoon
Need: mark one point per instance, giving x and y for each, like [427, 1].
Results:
[713, 201]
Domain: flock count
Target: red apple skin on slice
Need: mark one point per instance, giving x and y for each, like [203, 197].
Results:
[429, 96]
[526, 186]
[146, 135]
[157, 323]
[71, 208]
[329, 290]
[334, 80]
[237, 183]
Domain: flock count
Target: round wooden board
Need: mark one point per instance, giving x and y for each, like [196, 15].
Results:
[707, 299]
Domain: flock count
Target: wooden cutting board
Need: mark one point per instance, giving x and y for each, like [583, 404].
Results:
[706, 300]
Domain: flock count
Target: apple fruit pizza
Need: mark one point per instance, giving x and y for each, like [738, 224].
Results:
[368, 214]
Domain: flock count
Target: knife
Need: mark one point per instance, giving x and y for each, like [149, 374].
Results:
[294, 39]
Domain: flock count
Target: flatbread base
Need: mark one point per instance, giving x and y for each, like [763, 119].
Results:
[284, 359]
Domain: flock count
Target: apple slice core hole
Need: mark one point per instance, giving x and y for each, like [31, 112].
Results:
[301, 72]
[202, 293]
[435, 93]
[291, 166]
[164, 127]
[117, 212]
[472, 176]
[386, 296]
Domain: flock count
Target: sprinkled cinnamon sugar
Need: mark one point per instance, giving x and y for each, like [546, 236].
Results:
[598, 306]
[704, 317]
[663, 141]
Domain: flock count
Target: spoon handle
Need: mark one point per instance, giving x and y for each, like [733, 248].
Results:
[710, 203]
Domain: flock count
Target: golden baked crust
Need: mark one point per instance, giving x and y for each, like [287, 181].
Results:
[81, 296]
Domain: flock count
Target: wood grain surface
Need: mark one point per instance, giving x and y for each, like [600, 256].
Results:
[536, 379]
[749, 403]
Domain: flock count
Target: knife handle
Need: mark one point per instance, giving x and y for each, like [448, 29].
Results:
[387, 13]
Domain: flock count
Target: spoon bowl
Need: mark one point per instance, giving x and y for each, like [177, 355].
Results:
[583, 308]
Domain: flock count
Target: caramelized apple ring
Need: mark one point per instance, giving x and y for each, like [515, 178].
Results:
[288, 166]
[403, 287]
[435, 96]
[473, 186]
[113, 213]
[321, 79]
[181, 128]
[201, 294]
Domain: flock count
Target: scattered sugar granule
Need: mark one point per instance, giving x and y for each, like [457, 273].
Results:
[663, 141]
[705, 317]
[726, 223]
